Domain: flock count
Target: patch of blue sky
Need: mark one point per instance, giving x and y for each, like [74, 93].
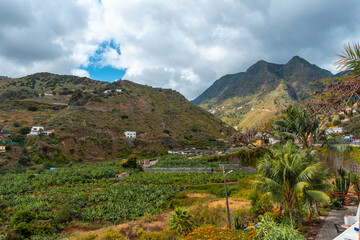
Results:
[100, 72]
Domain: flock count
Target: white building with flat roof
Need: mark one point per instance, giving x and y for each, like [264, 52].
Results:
[130, 134]
[36, 130]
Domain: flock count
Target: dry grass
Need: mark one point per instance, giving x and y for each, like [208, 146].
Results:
[234, 203]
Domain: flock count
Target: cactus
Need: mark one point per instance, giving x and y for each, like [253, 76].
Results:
[342, 182]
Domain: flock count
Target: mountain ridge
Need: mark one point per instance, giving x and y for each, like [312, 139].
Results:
[240, 90]
[98, 115]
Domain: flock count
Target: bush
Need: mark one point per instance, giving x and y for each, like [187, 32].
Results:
[130, 162]
[24, 229]
[268, 229]
[180, 222]
[24, 160]
[110, 234]
[259, 203]
[33, 108]
[205, 215]
[217, 233]
[42, 228]
[22, 216]
[25, 130]
[72, 150]
[152, 235]
[242, 219]
[63, 215]
[13, 235]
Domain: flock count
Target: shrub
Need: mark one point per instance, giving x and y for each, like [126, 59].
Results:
[130, 162]
[152, 235]
[25, 130]
[205, 215]
[111, 234]
[42, 228]
[22, 216]
[13, 235]
[72, 150]
[217, 233]
[268, 229]
[180, 222]
[33, 108]
[63, 215]
[242, 219]
[24, 160]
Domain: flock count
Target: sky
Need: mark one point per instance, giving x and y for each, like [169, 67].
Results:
[180, 44]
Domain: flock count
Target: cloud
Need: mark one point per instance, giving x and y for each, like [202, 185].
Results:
[80, 73]
[185, 45]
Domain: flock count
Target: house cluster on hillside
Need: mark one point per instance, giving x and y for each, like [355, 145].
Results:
[349, 138]
[116, 90]
[334, 129]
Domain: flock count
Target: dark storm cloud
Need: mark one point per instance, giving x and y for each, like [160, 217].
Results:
[180, 44]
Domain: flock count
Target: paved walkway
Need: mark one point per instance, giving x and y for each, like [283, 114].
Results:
[328, 231]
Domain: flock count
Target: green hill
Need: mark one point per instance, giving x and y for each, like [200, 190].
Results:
[247, 99]
[93, 125]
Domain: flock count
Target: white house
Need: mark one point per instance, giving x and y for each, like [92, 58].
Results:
[36, 130]
[129, 134]
[273, 141]
[334, 130]
[117, 90]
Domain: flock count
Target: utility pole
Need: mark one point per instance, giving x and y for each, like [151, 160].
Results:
[227, 200]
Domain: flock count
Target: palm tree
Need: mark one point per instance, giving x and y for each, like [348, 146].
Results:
[350, 59]
[297, 124]
[355, 181]
[289, 172]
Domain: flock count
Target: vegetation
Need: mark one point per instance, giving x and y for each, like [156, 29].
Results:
[297, 124]
[182, 178]
[216, 233]
[268, 230]
[288, 173]
[180, 222]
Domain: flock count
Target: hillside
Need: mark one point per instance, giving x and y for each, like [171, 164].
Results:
[247, 99]
[93, 125]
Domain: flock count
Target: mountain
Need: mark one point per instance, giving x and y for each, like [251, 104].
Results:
[248, 99]
[89, 118]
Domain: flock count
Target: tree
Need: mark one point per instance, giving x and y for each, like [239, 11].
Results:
[25, 130]
[297, 124]
[289, 172]
[245, 138]
[130, 162]
[340, 94]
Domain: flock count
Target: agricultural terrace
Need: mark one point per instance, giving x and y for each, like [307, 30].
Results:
[91, 193]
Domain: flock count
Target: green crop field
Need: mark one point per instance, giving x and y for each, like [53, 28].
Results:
[89, 192]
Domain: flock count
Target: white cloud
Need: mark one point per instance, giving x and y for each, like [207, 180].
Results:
[184, 45]
[80, 73]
